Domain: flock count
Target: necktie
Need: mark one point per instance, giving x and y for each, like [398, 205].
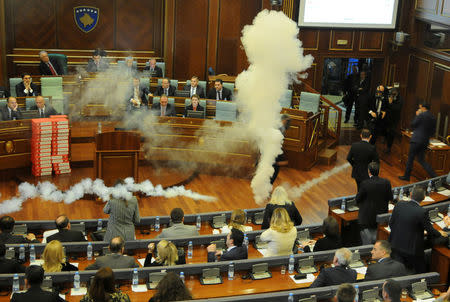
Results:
[163, 111]
[192, 91]
[166, 91]
[220, 95]
[51, 68]
[41, 111]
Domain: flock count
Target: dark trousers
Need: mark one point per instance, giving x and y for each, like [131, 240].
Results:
[276, 169]
[390, 134]
[418, 149]
[348, 108]
[413, 263]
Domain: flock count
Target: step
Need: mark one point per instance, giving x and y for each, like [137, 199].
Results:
[327, 156]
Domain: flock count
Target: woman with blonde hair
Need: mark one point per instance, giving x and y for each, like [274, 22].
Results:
[55, 259]
[281, 235]
[237, 221]
[280, 199]
[167, 254]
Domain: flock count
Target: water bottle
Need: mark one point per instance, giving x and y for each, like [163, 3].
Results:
[245, 241]
[190, 250]
[231, 271]
[291, 297]
[357, 293]
[99, 127]
[76, 280]
[182, 276]
[245, 216]
[199, 223]
[99, 225]
[135, 277]
[448, 211]
[157, 226]
[291, 264]
[400, 195]
[89, 251]
[343, 205]
[32, 254]
[16, 283]
[22, 252]
[429, 188]
[395, 195]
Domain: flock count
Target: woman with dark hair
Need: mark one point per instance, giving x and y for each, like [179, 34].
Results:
[331, 239]
[171, 288]
[103, 288]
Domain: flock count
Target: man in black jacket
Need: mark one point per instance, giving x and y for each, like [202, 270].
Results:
[394, 109]
[154, 70]
[43, 110]
[165, 88]
[360, 155]
[6, 236]
[49, 66]
[9, 266]
[385, 267]
[373, 198]
[34, 276]
[423, 125]
[235, 249]
[193, 88]
[408, 223]
[219, 92]
[338, 274]
[26, 87]
[65, 234]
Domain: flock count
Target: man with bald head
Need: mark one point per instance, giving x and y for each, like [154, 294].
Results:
[340, 273]
[11, 111]
[165, 88]
[65, 234]
[154, 70]
[116, 259]
[44, 110]
[49, 66]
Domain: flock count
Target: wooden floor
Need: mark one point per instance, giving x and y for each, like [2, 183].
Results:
[231, 192]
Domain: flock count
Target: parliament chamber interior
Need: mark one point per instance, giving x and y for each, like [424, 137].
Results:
[224, 150]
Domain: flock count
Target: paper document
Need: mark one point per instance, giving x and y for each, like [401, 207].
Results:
[428, 199]
[78, 292]
[445, 192]
[140, 288]
[361, 270]
[338, 211]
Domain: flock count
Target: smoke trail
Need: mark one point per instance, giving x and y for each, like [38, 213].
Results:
[297, 192]
[49, 191]
[275, 56]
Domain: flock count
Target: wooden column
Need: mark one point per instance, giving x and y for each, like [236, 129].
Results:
[169, 34]
[3, 77]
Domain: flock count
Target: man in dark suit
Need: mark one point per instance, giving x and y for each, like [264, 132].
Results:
[219, 92]
[97, 63]
[34, 276]
[116, 259]
[49, 66]
[350, 89]
[408, 222]
[6, 236]
[165, 88]
[377, 113]
[154, 70]
[393, 116]
[194, 88]
[65, 234]
[26, 87]
[385, 266]
[338, 274]
[423, 125]
[372, 198]
[11, 111]
[163, 108]
[392, 291]
[44, 110]
[360, 155]
[138, 96]
[9, 266]
[235, 250]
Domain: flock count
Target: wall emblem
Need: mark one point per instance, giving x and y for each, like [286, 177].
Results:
[86, 17]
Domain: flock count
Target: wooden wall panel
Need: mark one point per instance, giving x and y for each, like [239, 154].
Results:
[34, 22]
[233, 16]
[191, 30]
[337, 36]
[309, 38]
[440, 94]
[371, 40]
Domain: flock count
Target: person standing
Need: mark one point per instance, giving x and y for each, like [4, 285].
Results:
[423, 125]
[394, 109]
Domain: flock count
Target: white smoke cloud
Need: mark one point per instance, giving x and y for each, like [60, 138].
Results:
[49, 191]
[275, 56]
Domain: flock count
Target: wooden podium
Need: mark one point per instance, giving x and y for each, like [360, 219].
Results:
[116, 156]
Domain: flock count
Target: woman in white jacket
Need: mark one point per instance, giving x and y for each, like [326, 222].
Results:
[281, 235]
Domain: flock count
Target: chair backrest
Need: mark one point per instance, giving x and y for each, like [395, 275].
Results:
[286, 99]
[200, 83]
[12, 85]
[171, 101]
[62, 60]
[229, 86]
[144, 82]
[156, 99]
[29, 102]
[3, 103]
[174, 83]
[226, 111]
[52, 86]
[121, 63]
[309, 102]
[162, 65]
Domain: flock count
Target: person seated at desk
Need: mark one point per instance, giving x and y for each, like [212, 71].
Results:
[11, 111]
[103, 288]
[345, 293]
[54, 258]
[9, 266]
[195, 106]
[49, 66]
[165, 88]
[178, 229]
[280, 199]
[235, 249]
[392, 291]
[44, 110]
[385, 267]
[163, 108]
[167, 255]
[237, 221]
[171, 288]
[116, 259]
[138, 96]
[26, 87]
[219, 92]
[155, 71]
[6, 236]
[34, 276]
[4, 92]
[281, 235]
[97, 63]
[65, 234]
[330, 241]
[129, 69]
[338, 274]
[194, 89]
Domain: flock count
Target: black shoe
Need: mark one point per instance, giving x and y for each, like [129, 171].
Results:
[403, 177]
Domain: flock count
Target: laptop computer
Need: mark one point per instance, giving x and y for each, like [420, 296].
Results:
[351, 205]
[356, 260]
[219, 221]
[306, 265]
[260, 271]
[419, 290]
[434, 215]
[220, 244]
[258, 218]
[371, 295]
[211, 276]
[183, 93]
[154, 278]
[259, 244]
[303, 235]
[78, 227]
[20, 229]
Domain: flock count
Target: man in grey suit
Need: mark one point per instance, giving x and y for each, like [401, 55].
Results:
[178, 229]
[385, 267]
[116, 259]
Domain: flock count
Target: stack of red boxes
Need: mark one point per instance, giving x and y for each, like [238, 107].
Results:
[41, 147]
[50, 145]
